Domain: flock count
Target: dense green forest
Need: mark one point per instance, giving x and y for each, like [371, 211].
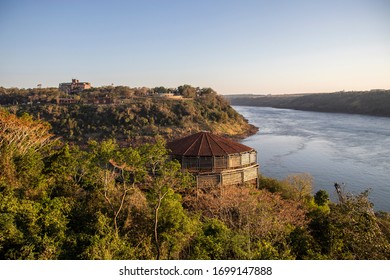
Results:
[374, 102]
[128, 115]
[108, 201]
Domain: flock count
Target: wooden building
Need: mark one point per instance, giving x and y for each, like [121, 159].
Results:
[215, 160]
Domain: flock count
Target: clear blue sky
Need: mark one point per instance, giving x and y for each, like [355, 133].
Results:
[238, 46]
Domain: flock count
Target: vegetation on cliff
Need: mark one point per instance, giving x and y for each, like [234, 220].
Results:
[374, 102]
[128, 115]
[58, 201]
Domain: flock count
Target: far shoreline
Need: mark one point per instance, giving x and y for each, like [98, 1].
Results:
[372, 103]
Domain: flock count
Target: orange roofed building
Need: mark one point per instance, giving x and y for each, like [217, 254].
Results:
[215, 160]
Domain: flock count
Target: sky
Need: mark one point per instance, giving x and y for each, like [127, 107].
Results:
[242, 46]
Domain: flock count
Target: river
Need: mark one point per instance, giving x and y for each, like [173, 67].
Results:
[342, 148]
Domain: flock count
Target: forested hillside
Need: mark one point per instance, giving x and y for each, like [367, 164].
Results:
[105, 201]
[374, 102]
[128, 115]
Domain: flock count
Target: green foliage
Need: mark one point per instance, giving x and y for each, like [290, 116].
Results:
[270, 184]
[130, 115]
[106, 245]
[213, 242]
[304, 245]
[176, 227]
[355, 231]
[321, 198]
[106, 201]
[383, 220]
[294, 186]
[32, 229]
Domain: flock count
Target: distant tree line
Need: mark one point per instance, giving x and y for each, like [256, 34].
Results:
[373, 102]
[113, 94]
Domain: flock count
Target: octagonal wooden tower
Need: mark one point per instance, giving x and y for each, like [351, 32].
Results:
[215, 160]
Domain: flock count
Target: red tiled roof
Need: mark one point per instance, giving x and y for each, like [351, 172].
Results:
[205, 144]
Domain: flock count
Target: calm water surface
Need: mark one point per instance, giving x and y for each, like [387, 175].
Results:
[343, 148]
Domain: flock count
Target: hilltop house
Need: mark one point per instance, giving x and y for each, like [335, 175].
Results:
[74, 87]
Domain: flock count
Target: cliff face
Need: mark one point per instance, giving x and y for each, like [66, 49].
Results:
[374, 102]
[140, 119]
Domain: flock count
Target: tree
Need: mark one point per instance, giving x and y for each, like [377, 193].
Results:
[160, 89]
[321, 198]
[165, 177]
[262, 221]
[299, 186]
[19, 135]
[119, 171]
[33, 222]
[355, 232]
[213, 242]
[294, 186]
[175, 227]
[187, 91]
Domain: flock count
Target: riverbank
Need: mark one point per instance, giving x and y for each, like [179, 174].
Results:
[374, 102]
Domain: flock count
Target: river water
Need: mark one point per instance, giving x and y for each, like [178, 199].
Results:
[342, 148]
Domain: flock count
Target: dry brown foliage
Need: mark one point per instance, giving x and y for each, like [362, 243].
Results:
[20, 135]
[256, 212]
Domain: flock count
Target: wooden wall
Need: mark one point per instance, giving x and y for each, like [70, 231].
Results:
[228, 177]
[218, 164]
